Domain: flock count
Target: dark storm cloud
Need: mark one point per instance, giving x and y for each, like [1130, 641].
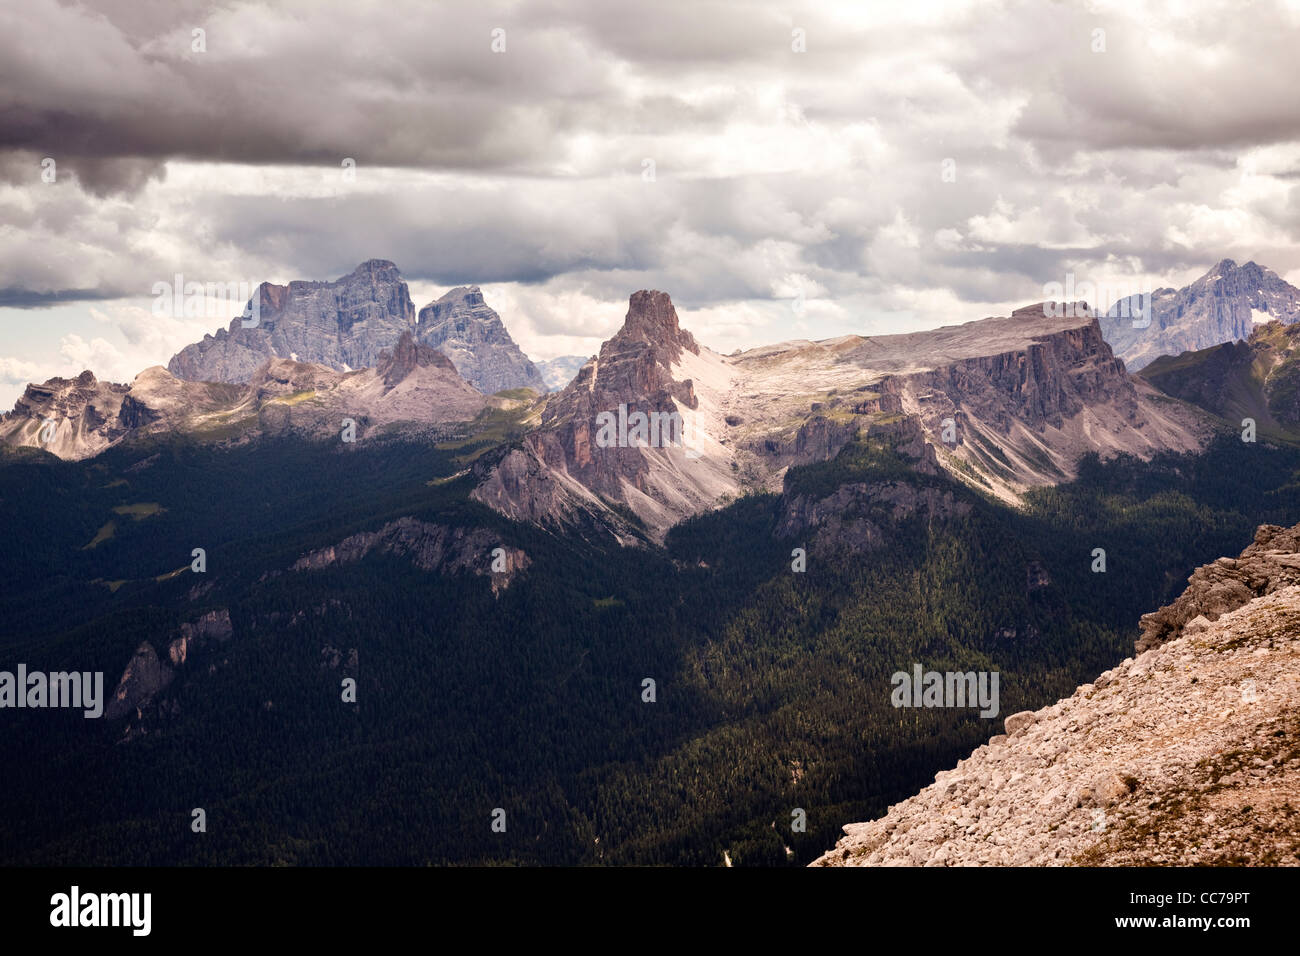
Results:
[27, 299]
[445, 235]
[415, 86]
[776, 170]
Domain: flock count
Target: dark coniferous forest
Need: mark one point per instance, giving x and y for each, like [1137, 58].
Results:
[771, 688]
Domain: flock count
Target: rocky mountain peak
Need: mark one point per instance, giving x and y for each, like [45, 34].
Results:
[456, 302]
[378, 267]
[1228, 278]
[651, 318]
[345, 324]
[342, 324]
[471, 295]
[1225, 304]
[651, 368]
[462, 326]
[636, 365]
[406, 356]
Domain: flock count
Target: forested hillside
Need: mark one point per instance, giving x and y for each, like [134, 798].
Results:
[771, 686]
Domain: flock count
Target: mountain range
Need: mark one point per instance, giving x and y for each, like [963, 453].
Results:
[1225, 305]
[410, 383]
[345, 324]
[763, 537]
[1025, 396]
[1021, 398]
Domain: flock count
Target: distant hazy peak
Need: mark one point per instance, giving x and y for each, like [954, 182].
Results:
[1225, 304]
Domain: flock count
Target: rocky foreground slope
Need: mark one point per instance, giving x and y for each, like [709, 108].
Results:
[1188, 754]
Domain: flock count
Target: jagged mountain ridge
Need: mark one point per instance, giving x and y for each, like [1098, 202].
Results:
[465, 329]
[1182, 755]
[346, 323]
[1007, 404]
[78, 418]
[342, 324]
[1224, 305]
[410, 382]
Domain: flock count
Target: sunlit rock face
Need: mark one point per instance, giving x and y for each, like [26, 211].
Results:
[465, 329]
[343, 324]
[1224, 305]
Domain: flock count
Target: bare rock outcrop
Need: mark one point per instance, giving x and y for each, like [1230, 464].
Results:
[69, 417]
[430, 547]
[857, 516]
[145, 676]
[1272, 562]
[1187, 754]
[214, 625]
[395, 364]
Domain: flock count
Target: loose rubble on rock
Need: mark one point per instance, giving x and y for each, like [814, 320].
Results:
[1188, 754]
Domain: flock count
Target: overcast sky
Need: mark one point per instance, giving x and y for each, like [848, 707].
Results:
[794, 193]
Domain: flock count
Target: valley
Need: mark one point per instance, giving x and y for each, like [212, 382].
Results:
[494, 584]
